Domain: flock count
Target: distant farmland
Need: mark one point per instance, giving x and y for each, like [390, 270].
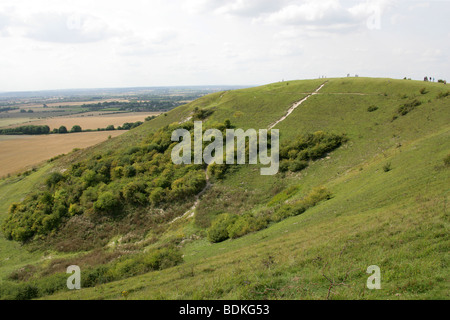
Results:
[91, 120]
[22, 152]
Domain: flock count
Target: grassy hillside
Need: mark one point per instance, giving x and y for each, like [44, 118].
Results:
[386, 204]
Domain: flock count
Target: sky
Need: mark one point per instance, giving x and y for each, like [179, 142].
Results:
[62, 44]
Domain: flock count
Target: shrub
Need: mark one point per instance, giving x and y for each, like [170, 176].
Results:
[217, 171]
[134, 192]
[315, 196]
[244, 225]
[297, 165]
[294, 155]
[201, 114]
[298, 207]
[27, 292]
[408, 107]
[106, 202]
[423, 91]
[219, 228]
[117, 172]
[284, 195]
[387, 167]
[447, 161]
[443, 94]
[372, 108]
[163, 258]
[53, 179]
[126, 267]
[284, 165]
[156, 196]
[75, 209]
[129, 171]
[62, 129]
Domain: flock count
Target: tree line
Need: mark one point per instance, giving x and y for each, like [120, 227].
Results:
[37, 130]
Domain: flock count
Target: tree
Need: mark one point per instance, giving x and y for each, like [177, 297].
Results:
[62, 129]
[76, 128]
[110, 127]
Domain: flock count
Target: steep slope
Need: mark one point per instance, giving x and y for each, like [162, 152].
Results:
[388, 206]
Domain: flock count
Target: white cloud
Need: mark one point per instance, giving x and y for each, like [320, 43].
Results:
[4, 23]
[157, 41]
[329, 15]
[311, 12]
[249, 7]
[66, 28]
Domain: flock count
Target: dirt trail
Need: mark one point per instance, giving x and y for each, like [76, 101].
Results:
[295, 105]
[190, 213]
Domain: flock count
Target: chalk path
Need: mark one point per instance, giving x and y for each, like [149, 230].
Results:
[296, 105]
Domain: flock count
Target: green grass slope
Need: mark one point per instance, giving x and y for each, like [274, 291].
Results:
[389, 205]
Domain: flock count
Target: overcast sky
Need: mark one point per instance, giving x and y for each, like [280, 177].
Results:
[63, 44]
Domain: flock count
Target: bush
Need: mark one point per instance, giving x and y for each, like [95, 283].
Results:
[27, 292]
[284, 195]
[387, 167]
[447, 161]
[443, 94]
[156, 196]
[297, 165]
[298, 207]
[408, 107]
[372, 108]
[296, 154]
[284, 165]
[219, 228]
[62, 129]
[106, 202]
[129, 171]
[53, 179]
[201, 114]
[244, 225]
[134, 192]
[126, 267]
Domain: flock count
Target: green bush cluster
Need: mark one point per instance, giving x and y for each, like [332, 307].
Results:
[300, 206]
[407, 108]
[126, 267]
[107, 184]
[233, 226]
[140, 175]
[35, 288]
[201, 114]
[295, 155]
[442, 95]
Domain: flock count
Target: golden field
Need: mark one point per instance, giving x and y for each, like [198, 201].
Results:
[91, 120]
[22, 152]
